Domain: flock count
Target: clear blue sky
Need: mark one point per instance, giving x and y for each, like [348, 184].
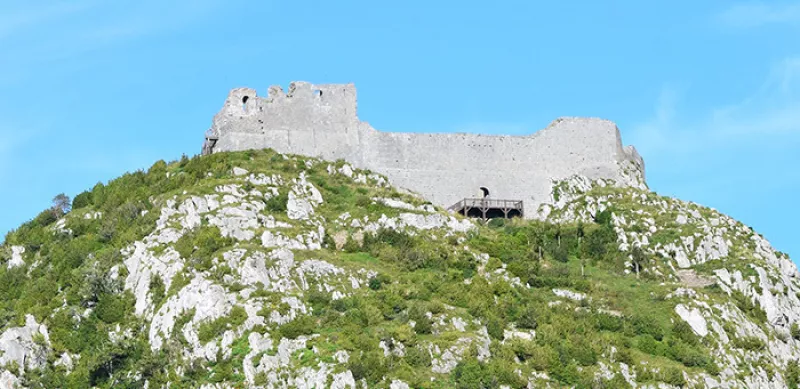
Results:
[709, 92]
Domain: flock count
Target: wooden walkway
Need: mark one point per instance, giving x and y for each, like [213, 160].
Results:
[489, 208]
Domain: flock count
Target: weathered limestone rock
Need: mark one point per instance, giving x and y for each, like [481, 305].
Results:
[8, 380]
[397, 384]
[392, 347]
[404, 205]
[576, 296]
[302, 199]
[515, 334]
[694, 318]
[238, 222]
[16, 257]
[208, 300]
[66, 360]
[447, 362]
[340, 239]
[26, 346]
[258, 344]
[459, 324]
[420, 222]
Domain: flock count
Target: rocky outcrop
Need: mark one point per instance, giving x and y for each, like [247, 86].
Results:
[16, 257]
[26, 347]
[684, 235]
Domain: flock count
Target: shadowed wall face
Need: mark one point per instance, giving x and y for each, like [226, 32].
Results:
[322, 121]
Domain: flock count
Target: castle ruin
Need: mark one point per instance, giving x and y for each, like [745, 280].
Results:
[321, 121]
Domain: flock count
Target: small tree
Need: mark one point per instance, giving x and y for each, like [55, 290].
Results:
[558, 234]
[638, 259]
[61, 204]
[603, 218]
[580, 234]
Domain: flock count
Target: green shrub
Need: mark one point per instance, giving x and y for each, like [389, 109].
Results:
[684, 332]
[350, 246]
[495, 327]
[525, 270]
[84, 199]
[493, 264]
[211, 329]
[111, 308]
[643, 373]
[528, 316]
[375, 283]
[674, 376]
[624, 355]
[363, 201]
[418, 356]
[748, 307]
[237, 316]
[200, 244]
[471, 374]
[647, 325]
[157, 290]
[277, 203]
[606, 322]
[541, 357]
[596, 244]
[422, 324]
[649, 345]
[686, 354]
[319, 300]
[45, 218]
[792, 375]
[751, 343]
[503, 372]
[303, 325]
[603, 218]
[370, 366]
[583, 353]
[568, 374]
[561, 254]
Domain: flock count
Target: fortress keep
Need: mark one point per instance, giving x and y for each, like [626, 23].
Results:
[321, 121]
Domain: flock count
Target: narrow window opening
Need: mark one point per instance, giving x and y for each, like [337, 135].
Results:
[318, 92]
[244, 102]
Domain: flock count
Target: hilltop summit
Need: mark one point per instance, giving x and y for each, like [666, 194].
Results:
[265, 270]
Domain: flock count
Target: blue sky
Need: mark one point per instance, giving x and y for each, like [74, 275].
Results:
[708, 92]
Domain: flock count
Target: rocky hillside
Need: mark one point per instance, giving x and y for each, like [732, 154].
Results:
[255, 269]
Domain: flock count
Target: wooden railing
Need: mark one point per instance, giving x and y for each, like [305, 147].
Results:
[485, 203]
[486, 208]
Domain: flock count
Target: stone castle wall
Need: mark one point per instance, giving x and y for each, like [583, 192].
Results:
[321, 121]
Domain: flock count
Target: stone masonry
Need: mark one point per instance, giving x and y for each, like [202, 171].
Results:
[321, 121]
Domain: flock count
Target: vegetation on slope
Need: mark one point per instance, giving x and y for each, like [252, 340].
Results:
[419, 283]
